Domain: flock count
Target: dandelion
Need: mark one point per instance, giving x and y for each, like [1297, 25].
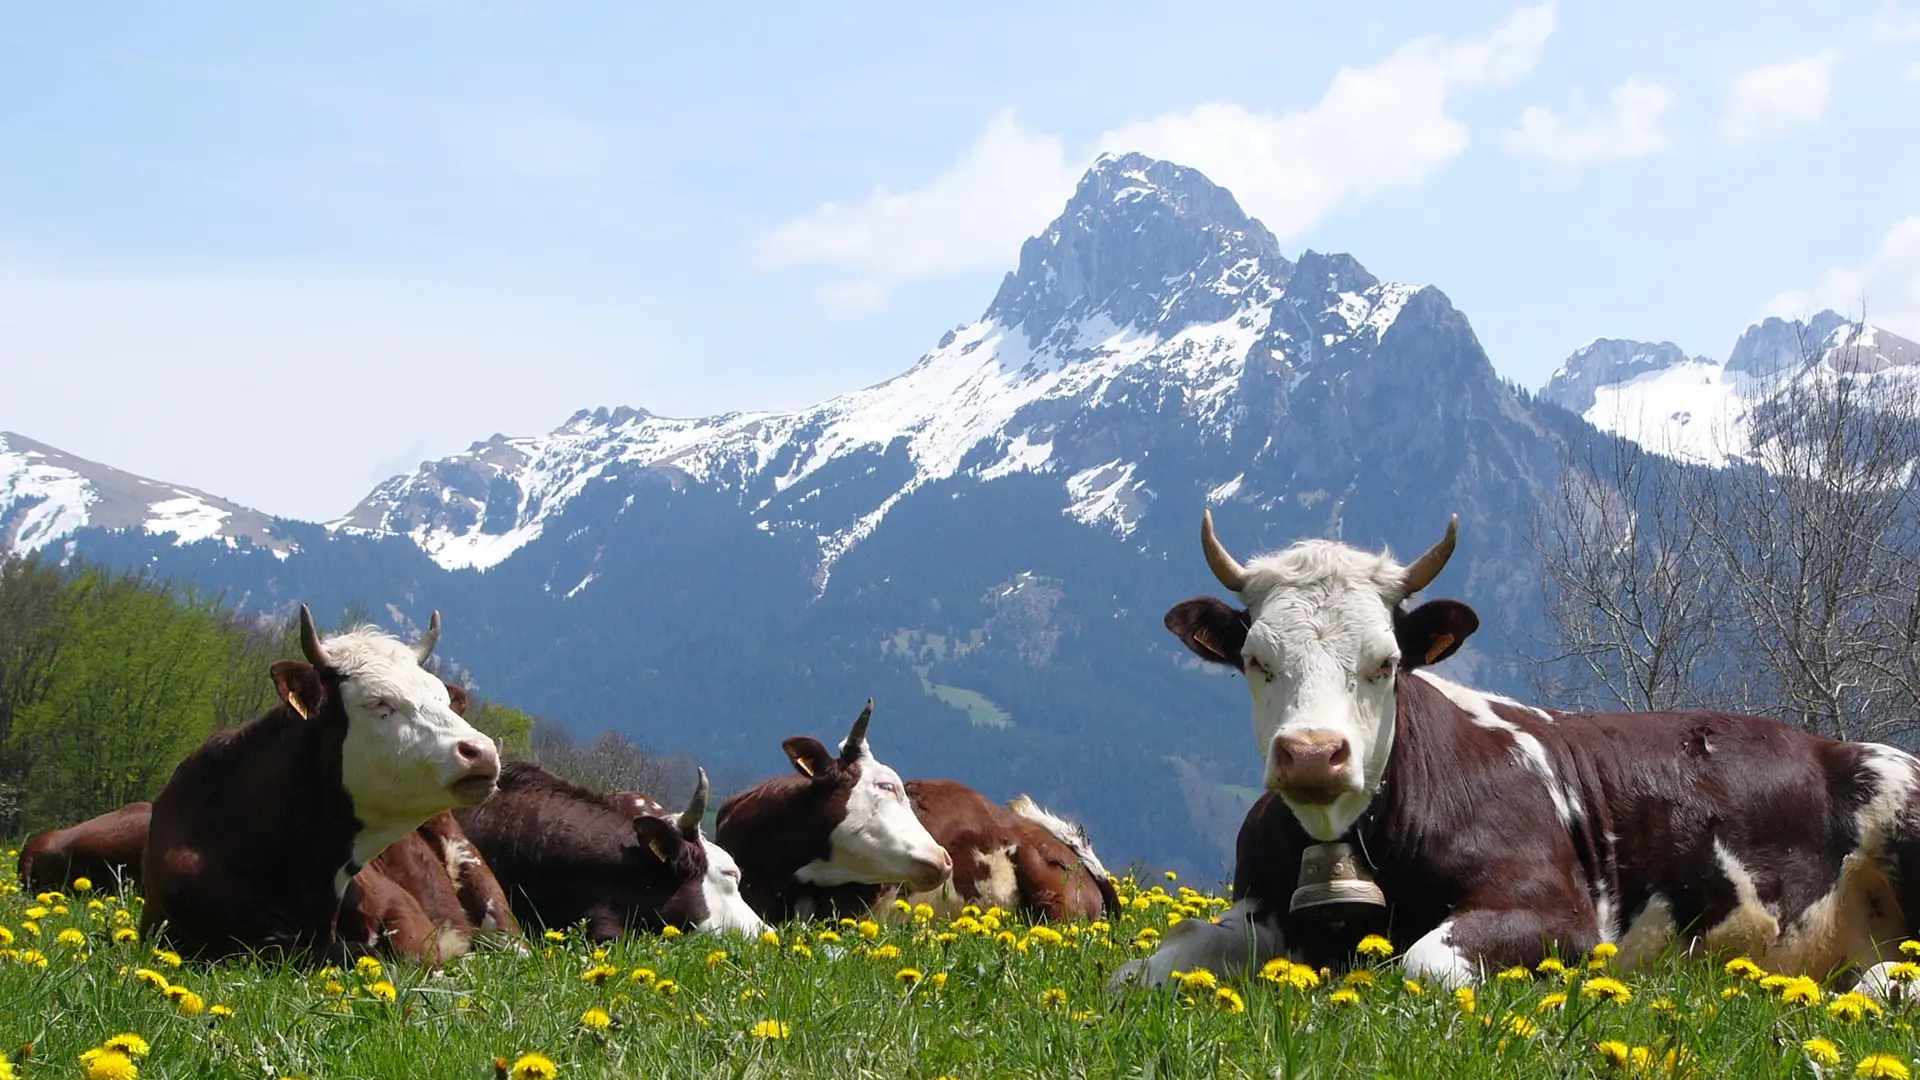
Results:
[128, 1043]
[1045, 935]
[220, 1012]
[108, 1065]
[770, 937]
[1744, 968]
[1910, 947]
[1078, 1016]
[884, 952]
[666, 987]
[1374, 947]
[596, 1020]
[670, 931]
[1615, 1053]
[1551, 1002]
[923, 913]
[868, 929]
[368, 968]
[600, 973]
[534, 1067]
[1359, 980]
[1412, 987]
[125, 935]
[192, 1004]
[907, 976]
[1227, 1001]
[1197, 979]
[643, 976]
[1801, 991]
[6, 936]
[1732, 992]
[70, 938]
[1664, 1007]
[1282, 972]
[383, 991]
[1602, 955]
[1905, 971]
[81, 884]
[170, 959]
[1852, 1007]
[770, 1029]
[1463, 997]
[827, 937]
[556, 935]
[33, 958]
[1607, 989]
[801, 950]
[1521, 1026]
[1883, 1066]
[1054, 998]
[1514, 974]
[1344, 996]
[716, 957]
[1822, 1051]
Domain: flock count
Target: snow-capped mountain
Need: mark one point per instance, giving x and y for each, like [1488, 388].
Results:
[46, 495]
[1698, 409]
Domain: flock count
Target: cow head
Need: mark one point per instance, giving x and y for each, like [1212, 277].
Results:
[1323, 639]
[405, 751]
[878, 840]
[679, 842]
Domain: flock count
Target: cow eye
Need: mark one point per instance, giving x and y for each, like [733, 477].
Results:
[888, 786]
[1384, 671]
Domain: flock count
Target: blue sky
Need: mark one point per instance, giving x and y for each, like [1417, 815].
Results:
[372, 233]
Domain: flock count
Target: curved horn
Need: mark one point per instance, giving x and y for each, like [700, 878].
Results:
[1224, 565]
[424, 647]
[310, 640]
[696, 810]
[858, 736]
[1427, 567]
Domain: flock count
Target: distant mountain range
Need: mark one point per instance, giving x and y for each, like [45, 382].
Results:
[985, 544]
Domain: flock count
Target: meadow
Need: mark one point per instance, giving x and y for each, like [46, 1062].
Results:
[911, 996]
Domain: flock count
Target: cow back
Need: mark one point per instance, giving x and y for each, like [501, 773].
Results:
[104, 849]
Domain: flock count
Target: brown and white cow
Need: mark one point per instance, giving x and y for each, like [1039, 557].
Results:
[816, 845]
[257, 837]
[443, 895]
[105, 850]
[1500, 832]
[566, 855]
[1018, 857]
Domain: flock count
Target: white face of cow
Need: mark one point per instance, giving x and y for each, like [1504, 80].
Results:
[880, 840]
[407, 754]
[726, 909]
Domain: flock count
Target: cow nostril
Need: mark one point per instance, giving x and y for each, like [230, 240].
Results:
[478, 756]
[1282, 757]
[1340, 754]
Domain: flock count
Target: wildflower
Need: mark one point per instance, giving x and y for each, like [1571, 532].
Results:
[1345, 996]
[1905, 971]
[33, 958]
[6, 1068]
[716, 957]
[1801, 991]
[1883, 1066]
[1664, 1006]
[1603, 955]
[596, 1020]
[556, 935]
[827, 937]
[1514, 974]
[600, 973]
[70, 938]
[1851, 1007]
[923, 913]
[1732, 992]
[868, 929]
[770, 937]
[1551, 1002]
[38, 912]
[1744, 968]
[1614, 1053]
[1055, 998]
[127, 1043]
[643, 976]
[81, 884]
[801, 950]
[384, 991]
[907, 976]
[192, 1004]
[534, 1067]
[1078, 1016]
[1375, 947]
[1226, 1000]
[1464, 998]
[1822, 1051]
[333, 987]
[6, 936]
[125, 934]
[220, 1012]
[1910, 947]
[170, 959]
[367, 968]
[1412, 987]
[1521, 1026]
[1197, 979]
[771, 1029]
[1611, 989]
[1045, 935]
[108, 1065]
[666, 987]
[884, 952]
[1357, 979]
[670, 931]
[1282, 972]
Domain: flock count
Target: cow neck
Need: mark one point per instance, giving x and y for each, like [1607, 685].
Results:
[306, 789]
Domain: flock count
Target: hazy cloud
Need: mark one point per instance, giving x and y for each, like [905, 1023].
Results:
[1770, 101]
[1887, 284]
[1630, 128]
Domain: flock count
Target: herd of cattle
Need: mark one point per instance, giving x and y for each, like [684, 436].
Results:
[1476, 832]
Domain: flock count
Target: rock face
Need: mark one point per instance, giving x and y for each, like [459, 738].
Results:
[986, 543]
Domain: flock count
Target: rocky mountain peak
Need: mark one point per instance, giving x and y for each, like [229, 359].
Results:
[1147, 243]
[1775, 345]
[1606, 361]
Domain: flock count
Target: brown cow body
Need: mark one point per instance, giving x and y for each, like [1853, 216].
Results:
[1005, 859]
[105, 850]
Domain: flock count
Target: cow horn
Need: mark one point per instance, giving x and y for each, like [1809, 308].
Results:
[1428, 566]
[858, 736]
[424, 647]
[1224, 565]
[310, 640]
[697, 809]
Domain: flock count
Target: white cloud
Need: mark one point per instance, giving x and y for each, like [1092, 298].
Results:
[1892, 24]
[1913, 71]
[1631, 128]
[1887, 285]
[1770, 101]
[1375, 129]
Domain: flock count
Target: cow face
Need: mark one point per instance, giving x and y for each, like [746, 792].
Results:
[721, 907]
[726, 908]
[878, 840]
[406, 753]
[1322, 642]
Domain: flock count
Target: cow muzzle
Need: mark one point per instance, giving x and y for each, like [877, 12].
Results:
[1312, 768]
[481, 763]
[931, 873]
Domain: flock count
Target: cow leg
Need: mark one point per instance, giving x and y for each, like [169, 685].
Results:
[1457, 952]
[1245, 938]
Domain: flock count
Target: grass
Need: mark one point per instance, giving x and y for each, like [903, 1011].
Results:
[990, 1001]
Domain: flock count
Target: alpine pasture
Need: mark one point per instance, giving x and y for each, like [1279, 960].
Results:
[913, 996]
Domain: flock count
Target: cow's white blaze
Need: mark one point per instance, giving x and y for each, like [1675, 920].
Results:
[1320, 658]
[403, 755]
[727, 910]
[880, 841]
[1528, 752]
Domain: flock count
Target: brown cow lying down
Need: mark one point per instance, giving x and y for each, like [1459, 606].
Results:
[256, 840]
[105, 850]
[1017, 857]
[429, 894]
[817, 845]
[567, 855]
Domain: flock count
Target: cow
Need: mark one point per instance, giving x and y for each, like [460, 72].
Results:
[1498, 833]
[105, 850]
[1017, 857]
[566, 855]
[820, 843]
[635, 803]
[257, 837]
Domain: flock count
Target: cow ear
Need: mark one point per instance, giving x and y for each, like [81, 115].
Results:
[457, 699]
[300, 687]
[1214, 630]
[810, 758]
[1433, 631]
[659, 836]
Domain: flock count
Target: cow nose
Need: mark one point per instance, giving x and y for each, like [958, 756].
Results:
[479, 758]
[1311, 766]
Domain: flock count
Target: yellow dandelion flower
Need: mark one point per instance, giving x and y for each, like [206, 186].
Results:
[1522, 1026]
[1374, 947]
[1226, 1000]
[1883, 1067]
[368, 968]
[81, 884]
[1905, 971]
[70, 938]
[167, 957]
[670, 931]
[108, 1065]
[907, 976]
[827, 937]
[868, 929]
[534, 1067]
[1910, 947]
[188, 1002]
[1615, 1053]
[1046, 935]
[128, 1043]
[1463, 997]
[643, 976]
[1732, 992]
[1822, 1051]
[125, 934]
[1082, 1016]
[1664, 1006]
[1852, 1007]
[6, 936]
[923, 913]
[801, 950]
[666, 987]
[770, 1029]
[33, 958]
[1053, 998]
[334, 987]
[1551, 1002]
[1412, 987]
[1801, 991]
[1744, 968]
[151, 978]
[1357, 979]
[1344, 996]
[30, 926]
[1607, 989]
[716, 957]
[220, 1012]
[383, 990]
[770, 937]
[556, 935]
[596, 1019]
[600, 973]
[1197, 979]
[37, 912]
[884, 952]
[1514, 974]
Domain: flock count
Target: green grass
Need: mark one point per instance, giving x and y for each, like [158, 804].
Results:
[979, 708]
[849, 1015]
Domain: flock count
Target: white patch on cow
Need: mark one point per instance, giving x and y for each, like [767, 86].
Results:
[1895, 772]
[880, 841]
[459, 855]
[1528, 753]
[1604, 912]
[1067, 832]
[401, 758]
[1651, 934]
[1435, 958]
[995, 886]
[726, 909]
[1239, 942]
[1751, 928]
